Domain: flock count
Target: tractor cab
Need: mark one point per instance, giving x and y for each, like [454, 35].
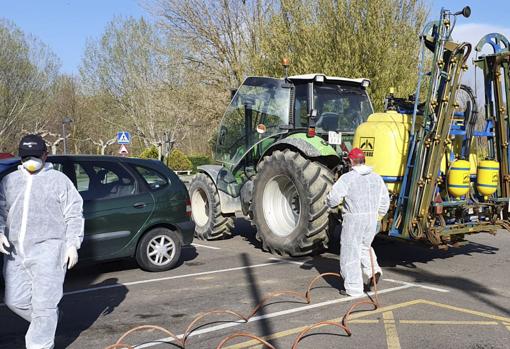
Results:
[264, 110]
[335, 104]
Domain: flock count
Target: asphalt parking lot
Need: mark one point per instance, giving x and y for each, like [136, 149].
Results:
[428, 299]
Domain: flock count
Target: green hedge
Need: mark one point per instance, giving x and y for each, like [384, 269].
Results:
[199, 160]
[178, 161]
[150, 153]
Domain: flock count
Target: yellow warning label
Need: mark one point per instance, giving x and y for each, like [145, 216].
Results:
[367, 144]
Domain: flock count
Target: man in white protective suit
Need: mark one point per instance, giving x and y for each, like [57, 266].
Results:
[365, 202]
[41, 230]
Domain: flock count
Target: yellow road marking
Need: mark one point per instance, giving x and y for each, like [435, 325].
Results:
[391, 330]
[389, 308]
[467, 311]
[441, 322]
[352, 318]
[364, 321]
[252, 344]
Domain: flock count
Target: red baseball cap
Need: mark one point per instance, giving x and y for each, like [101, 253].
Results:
[356, 153]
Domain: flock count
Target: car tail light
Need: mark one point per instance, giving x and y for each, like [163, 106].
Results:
[188, 208]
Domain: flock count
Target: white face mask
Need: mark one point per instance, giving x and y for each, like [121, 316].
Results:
[33, 164]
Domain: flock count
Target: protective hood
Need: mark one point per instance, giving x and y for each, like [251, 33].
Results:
[362, 169]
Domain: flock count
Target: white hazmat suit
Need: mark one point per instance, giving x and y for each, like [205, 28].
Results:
[365, 198]
[41, 216]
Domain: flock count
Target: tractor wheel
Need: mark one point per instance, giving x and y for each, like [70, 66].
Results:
[288, 204]
[210, 223]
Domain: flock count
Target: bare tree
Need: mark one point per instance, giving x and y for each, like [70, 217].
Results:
[103, 144]
[216, 37]
[127, 66]
[51, 139]
[27, 71]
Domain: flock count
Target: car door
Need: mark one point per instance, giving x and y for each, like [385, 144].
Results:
[115, 207]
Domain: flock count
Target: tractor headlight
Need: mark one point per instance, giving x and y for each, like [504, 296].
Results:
[365, 83]
[319, 78]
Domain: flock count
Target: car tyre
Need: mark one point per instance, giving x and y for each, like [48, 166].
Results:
[159, 250]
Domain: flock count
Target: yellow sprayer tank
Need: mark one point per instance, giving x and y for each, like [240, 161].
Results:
[384, 139]
[459, 178]
[487, 177]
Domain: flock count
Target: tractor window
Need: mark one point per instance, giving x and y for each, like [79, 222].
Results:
[301, 105]
[340, 107]
[259, 108]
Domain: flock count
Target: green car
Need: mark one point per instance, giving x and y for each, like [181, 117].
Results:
[132, 208]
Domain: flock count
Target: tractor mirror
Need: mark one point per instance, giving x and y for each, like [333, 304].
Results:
[466, 12]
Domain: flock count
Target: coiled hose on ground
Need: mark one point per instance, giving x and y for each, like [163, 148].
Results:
[182, 340]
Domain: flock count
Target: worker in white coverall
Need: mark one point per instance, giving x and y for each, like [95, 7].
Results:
[365, 201]
[41, 230]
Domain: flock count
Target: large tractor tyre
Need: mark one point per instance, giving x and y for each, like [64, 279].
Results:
[288, 204]
[210, 223]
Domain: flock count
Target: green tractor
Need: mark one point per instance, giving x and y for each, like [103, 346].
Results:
[280, 143]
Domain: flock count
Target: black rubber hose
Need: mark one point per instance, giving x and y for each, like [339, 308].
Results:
[470, 119]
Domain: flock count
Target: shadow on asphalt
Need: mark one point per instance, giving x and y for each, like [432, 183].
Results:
[188, 254]
[264, 325]
[79, 314]
[80, 317]
[325, 264]
[248, 232]
[394, 254]
[405, 258]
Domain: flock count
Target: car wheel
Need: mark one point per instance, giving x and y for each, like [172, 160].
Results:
[158, 250]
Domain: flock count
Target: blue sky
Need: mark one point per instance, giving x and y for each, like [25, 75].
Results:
[65, 25]
[487, 16]
[493, 12]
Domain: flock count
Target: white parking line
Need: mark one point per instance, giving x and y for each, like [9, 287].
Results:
[269, 316]
[437, 289]
[290, 261]
[205, 246]
[105, 287]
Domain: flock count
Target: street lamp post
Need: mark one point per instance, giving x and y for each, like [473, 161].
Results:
[66, 121]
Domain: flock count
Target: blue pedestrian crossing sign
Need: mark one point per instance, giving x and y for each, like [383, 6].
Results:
[123, 138]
